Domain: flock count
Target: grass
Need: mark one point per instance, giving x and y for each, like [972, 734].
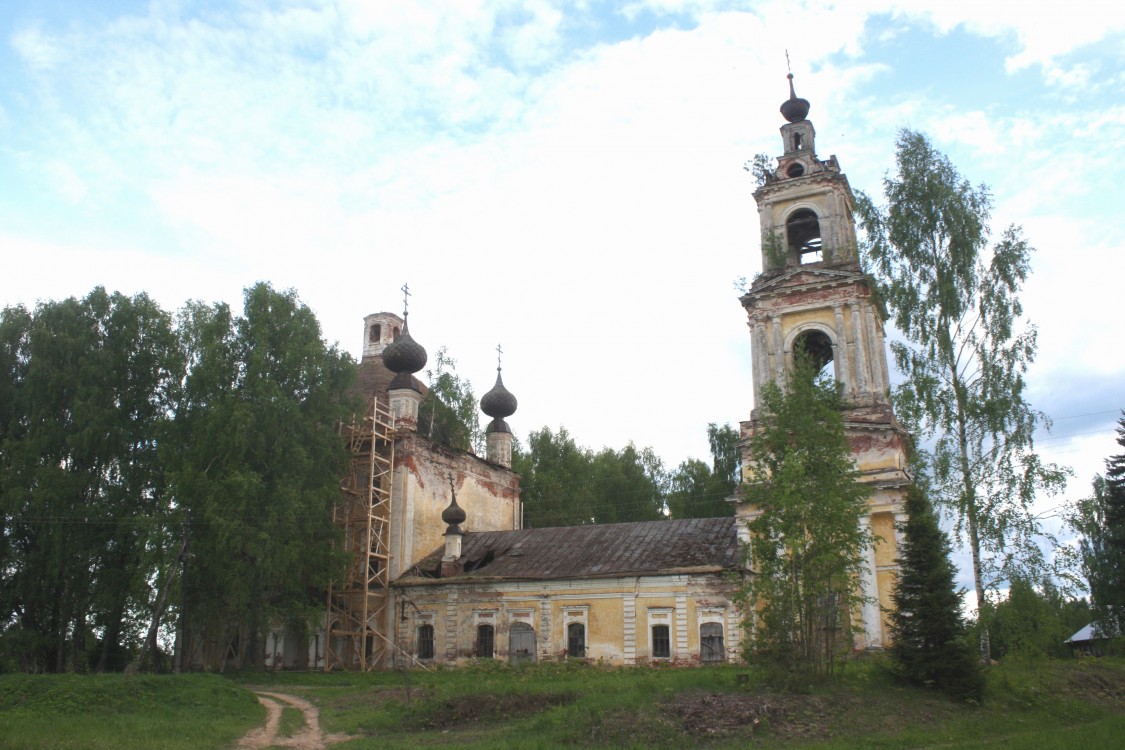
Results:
[1052, 705]
[116, 712]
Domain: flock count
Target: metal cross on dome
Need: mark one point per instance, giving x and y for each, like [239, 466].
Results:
[499, 351]
[405, 299]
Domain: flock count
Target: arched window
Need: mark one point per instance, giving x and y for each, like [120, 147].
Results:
[576, 640]
[818, 347]
[711, 643]
[486, 639]
[802, 230]
[425, 641]
[521, 644]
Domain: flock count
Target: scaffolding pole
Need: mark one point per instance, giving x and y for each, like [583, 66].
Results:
[358, 609]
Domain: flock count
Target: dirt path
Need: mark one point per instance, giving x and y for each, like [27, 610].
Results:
[309, 738]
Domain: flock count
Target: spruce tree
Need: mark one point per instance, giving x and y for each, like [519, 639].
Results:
[929, 646]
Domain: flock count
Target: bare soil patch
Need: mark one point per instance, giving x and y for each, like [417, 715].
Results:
[310, 737]
[473, 709]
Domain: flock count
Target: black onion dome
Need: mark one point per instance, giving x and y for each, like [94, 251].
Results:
[404, 354]
[794, 109]
[454, 514]
[499, 402]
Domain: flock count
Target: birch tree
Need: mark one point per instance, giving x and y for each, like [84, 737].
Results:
[956, 301]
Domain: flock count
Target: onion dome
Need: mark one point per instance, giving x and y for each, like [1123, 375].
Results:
[498, 402]
[454, 515]
[404, 356]
[794, 109]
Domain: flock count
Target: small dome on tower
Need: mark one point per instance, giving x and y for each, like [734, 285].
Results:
[794, 109]
[454, 514]
[404, 355]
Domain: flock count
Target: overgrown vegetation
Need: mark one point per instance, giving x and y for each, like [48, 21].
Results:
[806, 542]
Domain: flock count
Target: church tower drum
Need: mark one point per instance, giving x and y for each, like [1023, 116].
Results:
[812, 293]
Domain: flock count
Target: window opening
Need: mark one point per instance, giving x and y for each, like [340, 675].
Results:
[486, 639]
[796, 169]
[521, 644]
[803, 232]
[375, 333]
[576, 640]
[426, 642]
[711, 643]
[796, 141]
[394, 333]
[818, 347]
[661, 642]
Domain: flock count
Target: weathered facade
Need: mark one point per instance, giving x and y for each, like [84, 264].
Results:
[813, 294]
[627, 594]
[443, 572]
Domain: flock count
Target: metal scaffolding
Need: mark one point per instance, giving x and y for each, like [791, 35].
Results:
[357, 610]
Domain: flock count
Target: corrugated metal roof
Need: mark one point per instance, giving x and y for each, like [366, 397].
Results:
[645, 547]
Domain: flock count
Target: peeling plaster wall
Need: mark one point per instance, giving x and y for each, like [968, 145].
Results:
[488, 493]
[615, 612]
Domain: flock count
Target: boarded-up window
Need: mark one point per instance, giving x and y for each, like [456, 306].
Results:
[711, 643]
[661, 642]
[576, 640]
[426, 642]
[521, 644]
[486, 636]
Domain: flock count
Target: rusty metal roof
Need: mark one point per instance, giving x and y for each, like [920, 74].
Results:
[605, 550]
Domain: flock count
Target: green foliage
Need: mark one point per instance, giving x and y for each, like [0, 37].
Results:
[87, 387]
[448, 413]
[761, 166]
[806, 544]
[775, 252]
[928, 634]
[1034, 621]
[117, 422]
[256, 460]
[1100, 523]
[956, 302]
[696, 490]
[563, 484]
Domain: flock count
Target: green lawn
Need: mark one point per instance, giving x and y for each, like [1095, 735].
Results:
[1050, 705]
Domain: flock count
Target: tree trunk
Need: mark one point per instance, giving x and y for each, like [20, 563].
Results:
[158, 611]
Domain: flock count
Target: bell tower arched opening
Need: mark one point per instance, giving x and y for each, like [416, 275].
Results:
[817, 346]
[802, 230]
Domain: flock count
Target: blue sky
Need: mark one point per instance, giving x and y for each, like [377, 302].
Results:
[564, 178]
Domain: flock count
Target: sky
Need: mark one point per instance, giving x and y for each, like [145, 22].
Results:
[564, 179]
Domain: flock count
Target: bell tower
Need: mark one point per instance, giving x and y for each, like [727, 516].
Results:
[813, 294]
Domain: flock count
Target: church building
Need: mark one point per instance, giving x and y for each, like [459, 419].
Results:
[442, 570]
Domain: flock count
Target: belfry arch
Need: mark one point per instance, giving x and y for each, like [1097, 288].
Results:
[819, 344]
[802, 234]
